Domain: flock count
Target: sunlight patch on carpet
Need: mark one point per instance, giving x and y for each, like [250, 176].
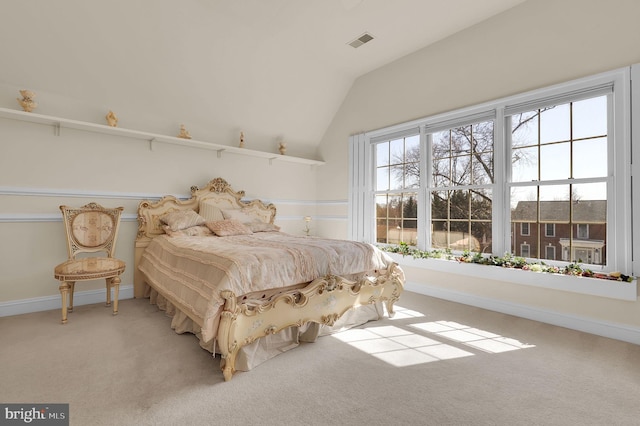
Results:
[399, 347]
[473, 337]
[402, 347]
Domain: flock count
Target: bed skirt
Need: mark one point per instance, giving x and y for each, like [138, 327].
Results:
[267, 347]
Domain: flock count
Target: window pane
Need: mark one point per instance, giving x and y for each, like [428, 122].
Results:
[382, 179]
[524, 129]
[461, 140]
[524, 164]
[590, 118]
[590, 203]
[483, 137]
[439, 205]
[524, 204]
[409, 206]
[394, 232]
[394, 209]
[555, 124]
[396, 148]
[382, 154]
[461, 170]
[590, 158]
[554, 204]
[481, 232]
[441, 144]
[483, 169]
[555, 161]
[397, 177]
[481, 204]
[412, 149]
[459, 205]
[412, 175]
[439, 234]
[442, 172]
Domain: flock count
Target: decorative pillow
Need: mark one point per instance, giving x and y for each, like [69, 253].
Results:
[257, 226]
[194, 231]
[227, 228]
[238, 214]
[182, 219]
[210, 212]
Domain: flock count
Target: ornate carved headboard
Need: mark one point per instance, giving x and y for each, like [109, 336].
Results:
[217, 192]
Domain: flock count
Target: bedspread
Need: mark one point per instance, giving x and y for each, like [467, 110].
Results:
[191, 271]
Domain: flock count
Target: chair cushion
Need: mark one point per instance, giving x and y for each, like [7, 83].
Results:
[89, 268]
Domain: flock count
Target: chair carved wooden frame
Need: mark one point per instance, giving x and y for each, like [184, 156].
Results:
[90, 229]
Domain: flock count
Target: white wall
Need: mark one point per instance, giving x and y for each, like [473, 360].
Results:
[536, 44]
[40, 171]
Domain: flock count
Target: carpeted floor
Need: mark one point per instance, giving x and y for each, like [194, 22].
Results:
[436, 363]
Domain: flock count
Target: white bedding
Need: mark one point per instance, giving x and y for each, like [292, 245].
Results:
[190, 272]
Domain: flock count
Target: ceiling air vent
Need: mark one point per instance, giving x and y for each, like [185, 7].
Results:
[364, 38]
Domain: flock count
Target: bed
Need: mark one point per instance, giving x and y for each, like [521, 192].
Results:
[225, 272]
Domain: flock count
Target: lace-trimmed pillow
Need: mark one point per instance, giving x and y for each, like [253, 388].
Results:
[182, 219]
[228, 228]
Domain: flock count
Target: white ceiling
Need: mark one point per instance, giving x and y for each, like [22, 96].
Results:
[272, 68]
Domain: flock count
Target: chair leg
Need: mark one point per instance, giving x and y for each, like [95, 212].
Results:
[64, 292]
[115, 283]
[108, 280]
[72, 289]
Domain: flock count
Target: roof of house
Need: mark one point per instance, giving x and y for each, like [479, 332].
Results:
[584, 211]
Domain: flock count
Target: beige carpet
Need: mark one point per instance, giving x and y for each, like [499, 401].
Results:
[438, 363]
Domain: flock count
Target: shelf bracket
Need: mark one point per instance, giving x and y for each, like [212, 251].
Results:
[271, 160]
[151, 141]
[219, 152]
[56, 129]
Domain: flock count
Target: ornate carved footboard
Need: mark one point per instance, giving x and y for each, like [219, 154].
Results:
[323, 301]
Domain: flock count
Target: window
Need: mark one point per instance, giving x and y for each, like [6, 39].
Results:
[582, 230]
[397, 177]
[461, 193]
[549, 229]
[559, 167]
[551, 166]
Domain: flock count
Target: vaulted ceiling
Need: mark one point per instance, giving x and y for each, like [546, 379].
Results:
[271, 68]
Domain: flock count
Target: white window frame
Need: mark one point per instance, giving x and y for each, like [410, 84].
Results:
[528, 229]
[362, 219]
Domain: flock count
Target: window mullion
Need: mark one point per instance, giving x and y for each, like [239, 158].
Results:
[424, 195]
[500, 207]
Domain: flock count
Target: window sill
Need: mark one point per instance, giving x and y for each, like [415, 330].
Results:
[583, 285]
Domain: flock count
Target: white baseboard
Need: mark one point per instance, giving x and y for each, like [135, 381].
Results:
[47, 303]
[588, 325]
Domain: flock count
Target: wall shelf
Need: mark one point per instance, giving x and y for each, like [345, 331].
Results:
[61, 123]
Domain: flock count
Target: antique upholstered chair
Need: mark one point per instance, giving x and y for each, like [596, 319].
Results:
[90, 229]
